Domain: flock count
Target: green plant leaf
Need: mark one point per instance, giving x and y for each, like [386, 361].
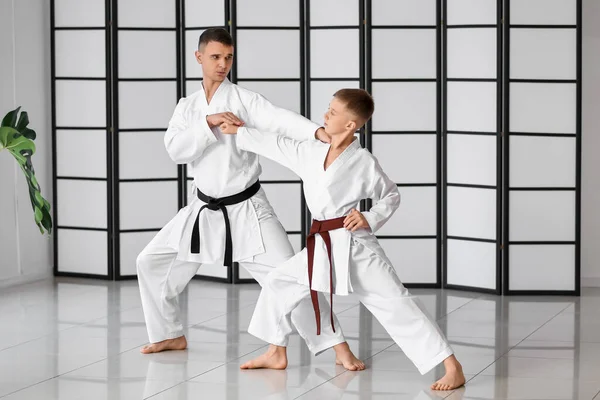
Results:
[10, 119]
[18, 140]
[23, 122]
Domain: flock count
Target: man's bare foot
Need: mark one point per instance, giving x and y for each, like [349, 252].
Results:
[345, 357]
[170, 344]
[454, 377]
[274, 358]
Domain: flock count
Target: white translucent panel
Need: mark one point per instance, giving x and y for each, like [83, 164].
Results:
[81, 203]
[404, 12]
[542, 216]
[472, 106]
[143, 155]
[282, 60]
[275, 172]
[460, 12]
[417, 214]
[471, 159]
[80, 103]
[147, 13]
[407, 158]
[80, 54]
[334, 53]
[81, 153]
[83, 252]
[135, 47]
[147, 205]
[472, 212]
[472, 53]
[297, 243]
[543, 12]
[146, 104]
[542, 161]
[471, 264]
[280, 12]
[321, 94]
[390, 47]
[192, 68]
[130, 246]
[79, 13]
[541, 267]
[204, 13]
[334, 12]
[405, 106]
[543, 107]
[415, 261]
[192, 87]
[286, 201]
[212, 270]
[543, 54]
[282, 94]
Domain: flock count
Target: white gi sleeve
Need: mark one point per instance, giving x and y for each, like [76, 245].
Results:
[385, 196]
[186, 140]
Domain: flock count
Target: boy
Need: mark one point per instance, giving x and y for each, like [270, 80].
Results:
[343, 255]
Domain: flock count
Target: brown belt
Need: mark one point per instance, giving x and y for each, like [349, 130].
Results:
[322, 228]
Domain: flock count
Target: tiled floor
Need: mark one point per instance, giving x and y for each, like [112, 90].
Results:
[80, 339]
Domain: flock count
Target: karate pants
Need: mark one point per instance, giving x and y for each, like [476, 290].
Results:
[377, 286]
[162, 278]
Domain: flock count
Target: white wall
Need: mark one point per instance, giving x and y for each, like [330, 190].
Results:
[25, 254]
[590, 227]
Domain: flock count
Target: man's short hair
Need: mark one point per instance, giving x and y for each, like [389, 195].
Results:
[219, 35]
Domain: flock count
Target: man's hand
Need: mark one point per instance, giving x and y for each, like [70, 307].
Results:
[355, 220]
[322, 135]
[228, 129]
[221, 118]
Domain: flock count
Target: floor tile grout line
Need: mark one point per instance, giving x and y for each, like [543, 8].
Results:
[321, 384]
[205, 372]
[596, 396]
[512, 347]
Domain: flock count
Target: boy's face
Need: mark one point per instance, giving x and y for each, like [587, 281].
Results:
[216, 60]
[338, 120]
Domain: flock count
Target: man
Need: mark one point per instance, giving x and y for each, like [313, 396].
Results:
[230, 219]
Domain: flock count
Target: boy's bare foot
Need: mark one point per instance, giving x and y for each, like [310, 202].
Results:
[345, 357]
[274, 358]
[454, 377]
[170, 344]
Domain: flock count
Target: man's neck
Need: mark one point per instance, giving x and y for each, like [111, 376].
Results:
[210, 88]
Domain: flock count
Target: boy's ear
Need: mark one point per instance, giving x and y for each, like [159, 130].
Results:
[352, 125]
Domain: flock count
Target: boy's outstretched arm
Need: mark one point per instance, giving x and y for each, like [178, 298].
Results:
[284, 150]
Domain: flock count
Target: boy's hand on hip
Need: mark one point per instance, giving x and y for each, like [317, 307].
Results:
[355, 220]
[228, 129]
[221, 118]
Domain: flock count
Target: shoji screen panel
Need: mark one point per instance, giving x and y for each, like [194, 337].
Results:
[403, 69]
[146, 90]
[197, 16]
[81, 119]
[542, 160]
[472, 144]
[270, 60]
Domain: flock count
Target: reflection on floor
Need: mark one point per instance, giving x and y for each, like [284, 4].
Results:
[79, 339]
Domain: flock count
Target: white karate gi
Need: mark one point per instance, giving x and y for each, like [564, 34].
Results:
[220, 169]
[359, 263]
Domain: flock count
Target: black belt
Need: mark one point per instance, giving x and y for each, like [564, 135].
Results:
[219, 204]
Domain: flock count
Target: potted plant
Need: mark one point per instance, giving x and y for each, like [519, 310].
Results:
[17, 139]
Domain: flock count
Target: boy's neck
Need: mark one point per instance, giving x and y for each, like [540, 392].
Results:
[342, 141]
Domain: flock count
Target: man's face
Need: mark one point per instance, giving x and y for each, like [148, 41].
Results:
[216, 60]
